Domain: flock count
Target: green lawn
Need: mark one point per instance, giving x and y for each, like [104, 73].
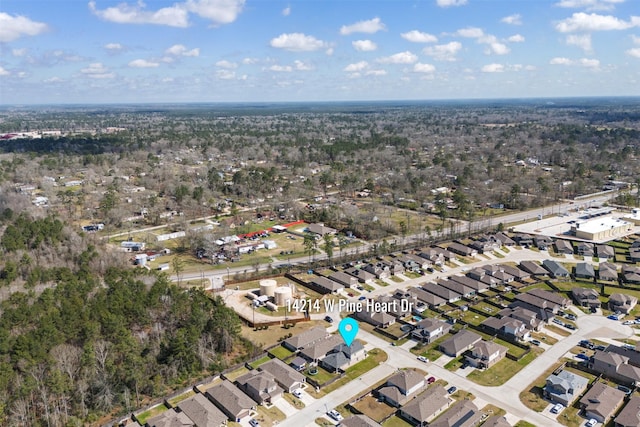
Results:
[396, 421]
[281, 352]
[396, 279]
[373, 359]
[174, 401]
[260, 361]
[523, 423]
[150, 413]
[499, 373]
[322, 376]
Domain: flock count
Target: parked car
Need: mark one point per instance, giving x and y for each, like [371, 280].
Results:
[451, 390]
[431, 380]
[535, 342]
[557, 408]
[362, 298]
[254, 423]
[423, 359]
[600, 348]
[591, 423]
[584, 343]
[570, 326]
[625, 389]
[335, 415]
[557, 321]
[328, 319]
[297, 393]
[582, 356]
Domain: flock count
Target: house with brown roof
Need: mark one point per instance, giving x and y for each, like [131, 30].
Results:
[533, 268]
[317, 350]
[631, 274]
[564, 247]
[605, 252]
[428, 298]
[457, 287]
[528, 317]
[286, 377]
[507, 327]
[344, 279]
[362, 275]
[630, 414]
[608, 271]
[303, 339]
[505, 240]
[375, 318]
[381, 271]
[459, 343]
[401, 387]
[325, 285]
[427, 406]
[485, 354]
[552, 297]
[601, 402]
[586, 297]
[615, 366]
[202, 412]
[170, 418]
[496, 421]
[358, 421]
[460, 249]
[622, 303]
[320, 229]
[261, 386]
[444, 293]
[231, 400]
[469, 282]
[517, 273]
[464, 413]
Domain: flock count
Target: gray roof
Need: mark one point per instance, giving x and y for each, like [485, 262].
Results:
[441, 291]
[566, 385]
[605, 251]
[463, 413]
[359, 421]
[630, 414]
[327, 284]
[305, 338]
[427, 404]
[283, 373]
[533, 267]
[456, 287]
[553, 297]
[602, 399]
[555, 268]
[405, 380]
[230, 398]
[563, 246]
[496, 421]
[335, 361]
[460, 341]
[202, 412]
[427, 297]
[318, 349]
[170, 418]
[342, 277]
[585, 269]
[608, 271]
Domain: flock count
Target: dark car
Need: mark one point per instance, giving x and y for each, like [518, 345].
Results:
[569, 326]
[584, 343]
[431, 380]
[582, 356]
[451, 390]
[328, 319]
[535, 342]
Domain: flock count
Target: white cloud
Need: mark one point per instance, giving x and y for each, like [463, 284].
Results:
[113, 46]
[399, 58]
[493, 68]
[589, 4]
[635, 52]
[226, 64]
[423, 68]
[123, 13]
[97, 70]
[181, 50]
[449, 3]
[297, 42]
[281, 68]
[583, 41]
[514, 19]
[19, 52]
[358, 66]
[635, 39]
[593, 22]
[250, 61]
[497, 48]
[364, 45]
[286, 11]
[470, 32]
[376, 73]
[217, 11]
[369, 27]
[301, 66]
[329, 51]
[14, 27]
[516, 38]
[560, 61]
[589, 63]
[143, 63]
[416, 36]
[225, 74]
[4, 72]
[443, 52]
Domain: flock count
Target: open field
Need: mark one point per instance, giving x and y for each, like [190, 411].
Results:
[499, 373]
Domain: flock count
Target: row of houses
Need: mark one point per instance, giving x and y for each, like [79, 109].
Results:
[590, 298]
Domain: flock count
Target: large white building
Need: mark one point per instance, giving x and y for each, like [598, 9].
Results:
[600, 229]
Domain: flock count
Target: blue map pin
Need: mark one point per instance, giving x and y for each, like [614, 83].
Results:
[348, 328]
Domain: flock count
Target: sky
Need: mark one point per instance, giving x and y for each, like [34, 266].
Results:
[102, 51]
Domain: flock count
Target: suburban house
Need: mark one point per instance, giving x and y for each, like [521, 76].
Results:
[447, 294]
[394, 267]
[381, 271]
[605, 252]
[564, 247]
[303, 339]
[170, 418]
[320, 229]
[202, 412]
[615, 366]
[430, 329]
[431, 254]
[555, 268]
[524, 240]
[608, 271]
[298, 363]
[402, 387]
[457, 287]
[460, 249]
[317, 350]
[586, 297]
[286, 377]
[496, 421]
[504, 239]
[344, 279]
[459, 343]
[462, 413]
[585, 249]
[631, 274]
[528, 317]
[585, 270]
[416, 261]
[375, 318]
[485, 354]
[362, 275]
[507, 327]
[564, 387]
[427, 406]
[542, 242]
[261, 386]
[342, 356]
[229, 399]
[630, 414]
[517, 273]
[470, 283]
[358, 421]
[428, 298]
[484, 246]
[446, 254]
[601, 402]
[324, 285]
[533, 268]
[552, 297]
[544, 309]
[622, 303]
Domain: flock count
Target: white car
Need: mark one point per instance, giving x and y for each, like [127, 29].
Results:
[297, 393]
[335, 415]
[557, 408]
[423, 359]
[591, 423]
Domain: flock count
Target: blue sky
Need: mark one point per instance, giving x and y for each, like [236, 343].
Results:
[102, 51]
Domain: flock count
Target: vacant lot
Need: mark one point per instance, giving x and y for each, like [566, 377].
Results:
[499, 373]
[375, 410]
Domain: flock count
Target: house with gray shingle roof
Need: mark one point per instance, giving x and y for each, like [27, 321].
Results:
[463, 413]
[303, 339]
[170, 418]
[287, 377]
[202, 412]
[585, 270]
[630, 414]
[402, 387]
[459, 343]
[622, 302]
[564, 387]
[608, 271]
[358, 421]
[231, 400]
[601, 402]
[427, 406]
[555, 269]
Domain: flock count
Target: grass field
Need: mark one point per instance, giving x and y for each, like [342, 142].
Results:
[396, 421]
[150, 413]
[260, 361]
[499, 373]
[270, 336]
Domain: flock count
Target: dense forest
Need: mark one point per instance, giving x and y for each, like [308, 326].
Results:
[91, 345]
